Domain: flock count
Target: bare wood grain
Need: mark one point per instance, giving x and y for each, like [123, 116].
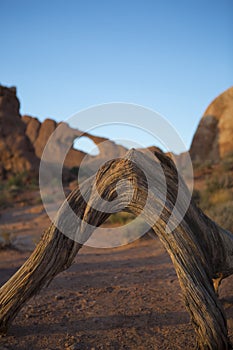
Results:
[200, 250]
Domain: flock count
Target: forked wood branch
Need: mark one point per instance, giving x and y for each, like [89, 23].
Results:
[200, 250]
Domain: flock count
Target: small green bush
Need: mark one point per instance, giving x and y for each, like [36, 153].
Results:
[22, 181]
[121, 218]
[17, 180]
[9, 189]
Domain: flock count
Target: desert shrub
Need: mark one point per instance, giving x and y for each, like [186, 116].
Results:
[121, 218]
[18, 180]
[33, 183]
[222, 214]
[22, 181]
[222, 181]
[203, 165]
[221, 196]
[9, 189]
[217, 199]
[226, 180]
[218, 189]
[227, 162]
[212, 185]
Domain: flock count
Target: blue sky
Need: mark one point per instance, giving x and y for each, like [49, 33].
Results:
[172, 56]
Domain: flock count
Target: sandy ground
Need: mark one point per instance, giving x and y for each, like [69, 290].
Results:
[121, 298]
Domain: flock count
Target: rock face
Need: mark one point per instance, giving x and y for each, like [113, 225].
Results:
[23, 139]
[39, 133]
[213, 138]
[16, 152]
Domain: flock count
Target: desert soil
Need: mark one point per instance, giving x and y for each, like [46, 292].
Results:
[122, 298]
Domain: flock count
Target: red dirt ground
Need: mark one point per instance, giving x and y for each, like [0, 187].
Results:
[122, 298]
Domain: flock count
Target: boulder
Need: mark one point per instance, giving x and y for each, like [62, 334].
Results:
[213, 138]
[16, 152]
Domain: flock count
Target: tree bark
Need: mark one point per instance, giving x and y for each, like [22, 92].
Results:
[200, 250]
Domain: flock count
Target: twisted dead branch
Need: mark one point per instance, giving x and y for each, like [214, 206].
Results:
[200, 250]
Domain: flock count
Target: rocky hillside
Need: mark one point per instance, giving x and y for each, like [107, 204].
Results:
[213, 139]
[212, 155]
[22, 140]
[16, 152]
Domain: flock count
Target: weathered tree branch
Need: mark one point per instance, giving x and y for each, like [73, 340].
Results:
[200, 250]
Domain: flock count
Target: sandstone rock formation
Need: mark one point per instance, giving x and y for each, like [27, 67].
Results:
[213, 138]
[23, 139]
[39, 133]
[16, 152]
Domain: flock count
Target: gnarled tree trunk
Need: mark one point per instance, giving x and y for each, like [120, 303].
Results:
[200, 250]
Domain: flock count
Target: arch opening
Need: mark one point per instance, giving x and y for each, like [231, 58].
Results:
[85, 144]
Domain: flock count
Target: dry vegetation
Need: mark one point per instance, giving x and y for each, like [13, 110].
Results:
[11, 189]
[215, 190]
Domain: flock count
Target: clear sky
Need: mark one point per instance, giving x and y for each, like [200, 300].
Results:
[173, 56]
